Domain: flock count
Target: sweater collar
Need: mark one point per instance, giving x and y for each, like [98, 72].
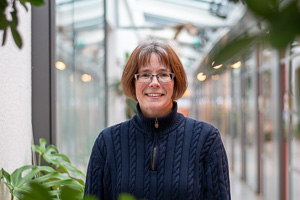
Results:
[166, 123]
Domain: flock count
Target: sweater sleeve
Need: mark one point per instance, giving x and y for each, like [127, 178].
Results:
[94, 176]
[217, 184]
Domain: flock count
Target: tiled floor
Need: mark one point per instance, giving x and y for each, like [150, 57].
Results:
[240, 191]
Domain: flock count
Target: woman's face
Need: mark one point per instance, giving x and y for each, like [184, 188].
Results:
[155, 98]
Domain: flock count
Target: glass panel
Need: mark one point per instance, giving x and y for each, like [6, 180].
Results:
[270, 164]
[270, 149]
[295, 157]
[80, 86]
[295, 84]
[295, 148]
[293, 122]
[250, 134]
[295, 185]
[236, 105]
[217, 102]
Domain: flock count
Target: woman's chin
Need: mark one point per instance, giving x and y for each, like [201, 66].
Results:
[156, 110]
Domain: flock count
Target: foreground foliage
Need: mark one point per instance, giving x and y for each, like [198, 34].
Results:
[55, 175]
[278, 23]
[57, 180]
[9, 18]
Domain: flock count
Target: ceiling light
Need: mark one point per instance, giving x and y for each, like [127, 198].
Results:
[201, 77]
[86, 78]
[218, 66]
[236, 65]
[60, 65]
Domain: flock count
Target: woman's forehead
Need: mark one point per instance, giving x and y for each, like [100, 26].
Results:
[147, 60]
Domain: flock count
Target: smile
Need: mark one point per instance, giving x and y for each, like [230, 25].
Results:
[154, 95]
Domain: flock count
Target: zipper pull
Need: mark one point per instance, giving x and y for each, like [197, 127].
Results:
[156, 123]
[153, 159]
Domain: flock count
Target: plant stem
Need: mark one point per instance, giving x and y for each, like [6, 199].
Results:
[40, 157]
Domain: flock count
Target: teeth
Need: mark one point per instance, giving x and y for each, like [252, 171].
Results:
[154, 95]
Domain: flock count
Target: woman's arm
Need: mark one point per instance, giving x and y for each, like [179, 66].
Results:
[217, 184]
[94, 176]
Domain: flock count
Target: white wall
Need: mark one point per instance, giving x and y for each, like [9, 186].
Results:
[15, 100]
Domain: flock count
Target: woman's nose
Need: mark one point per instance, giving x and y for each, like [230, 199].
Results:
[154, 82]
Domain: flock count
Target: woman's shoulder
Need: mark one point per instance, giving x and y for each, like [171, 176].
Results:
[209, 135]
[206, 132]
[201, 126]
[113, 128]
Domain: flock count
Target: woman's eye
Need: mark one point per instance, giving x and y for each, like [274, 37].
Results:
[145, 75]
[164, 75]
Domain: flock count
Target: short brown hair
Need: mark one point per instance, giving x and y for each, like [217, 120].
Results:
[141, 56]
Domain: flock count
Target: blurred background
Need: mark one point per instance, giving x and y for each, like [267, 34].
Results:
[72, 60]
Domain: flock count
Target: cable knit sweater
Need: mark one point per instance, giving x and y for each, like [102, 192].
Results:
[171, 157]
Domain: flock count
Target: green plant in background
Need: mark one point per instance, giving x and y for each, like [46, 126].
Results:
[60, 173]
[9, 18]
[278, 23]
[130, 109]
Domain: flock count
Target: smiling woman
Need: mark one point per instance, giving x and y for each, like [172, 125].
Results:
[155, 95]
[159, 153]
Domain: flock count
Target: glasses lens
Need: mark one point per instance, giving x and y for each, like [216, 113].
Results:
[144, 78]
[165, 77]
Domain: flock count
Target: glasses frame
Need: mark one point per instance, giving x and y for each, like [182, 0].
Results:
[157, 77]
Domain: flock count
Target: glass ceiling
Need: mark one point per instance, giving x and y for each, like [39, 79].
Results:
[191, 25]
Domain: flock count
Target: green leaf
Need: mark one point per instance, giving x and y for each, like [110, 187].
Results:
[51, 155]
[5, 174]
[19, 183]
[32, 174]
[14, 15]
[16, 176]
[61, 169]
[36, 2]
[37, 149]
[67, 182]
[55, 179]
[40, 148]
[16, 36]
[37, 191]
[4, 37]
[70, 193]
[125, 196]
[79, 181]
[3, 5]
[262, 8]
[233, 48]
[63, 157]
[43, 143]
[3, 21]
[285, 26]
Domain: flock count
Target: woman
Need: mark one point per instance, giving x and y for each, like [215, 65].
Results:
[159, 153]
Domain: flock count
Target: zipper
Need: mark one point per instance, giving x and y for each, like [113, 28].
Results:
[153, 158]
[156, 125]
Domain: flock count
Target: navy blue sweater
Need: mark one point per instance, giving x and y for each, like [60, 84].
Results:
[171, 157]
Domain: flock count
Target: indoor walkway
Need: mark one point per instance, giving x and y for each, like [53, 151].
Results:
[240, 191]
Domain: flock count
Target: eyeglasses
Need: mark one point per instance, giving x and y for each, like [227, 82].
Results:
[161, 77]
